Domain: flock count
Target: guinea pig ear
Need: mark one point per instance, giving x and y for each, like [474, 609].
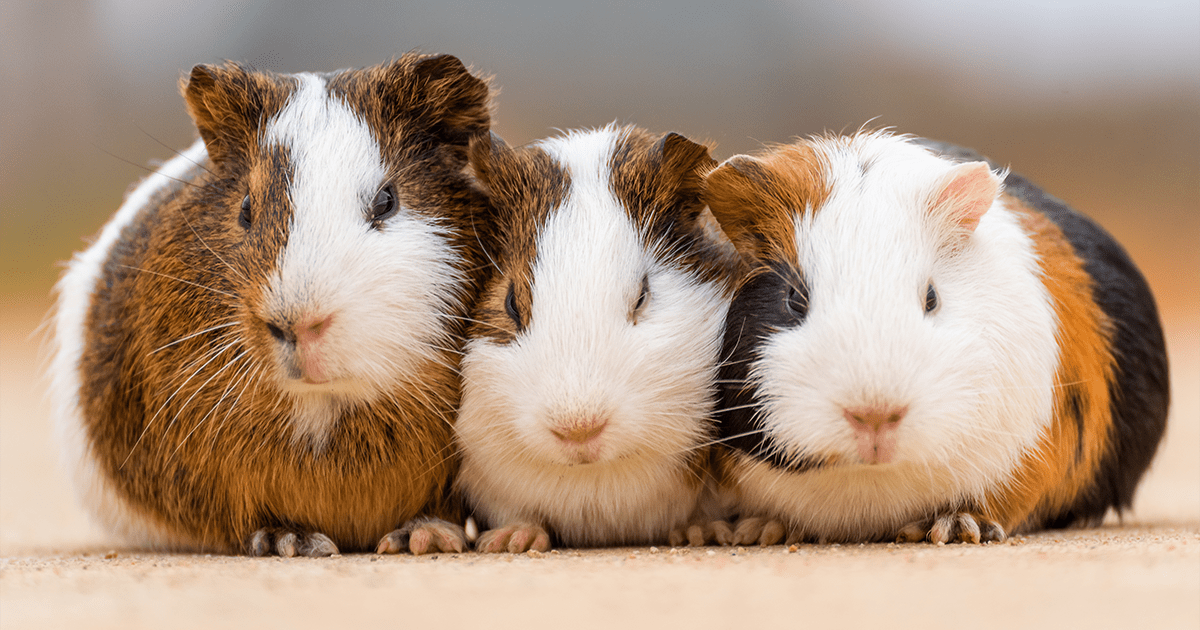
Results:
[733, 191]
[683, 161]
[965, 194]
[453, 104]
[483, 154]
[227, 104]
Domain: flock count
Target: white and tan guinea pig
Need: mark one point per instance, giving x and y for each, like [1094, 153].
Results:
[258, 353]
[588, 378]
[926, 349]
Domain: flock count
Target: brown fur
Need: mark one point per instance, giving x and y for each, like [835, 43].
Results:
[202, 448]
[657, 179]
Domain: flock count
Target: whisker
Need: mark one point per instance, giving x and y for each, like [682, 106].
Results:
[172, 149]
[144, 167]
[195, 334]
[199, 389]
[201, 286]
[205, 244]
[215, 406]
[168, 401]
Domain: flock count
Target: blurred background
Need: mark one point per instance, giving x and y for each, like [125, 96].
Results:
[1098, 101]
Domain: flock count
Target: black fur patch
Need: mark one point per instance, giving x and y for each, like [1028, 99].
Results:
[759, 309]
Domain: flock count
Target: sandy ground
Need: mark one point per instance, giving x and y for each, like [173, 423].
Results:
[56, 571]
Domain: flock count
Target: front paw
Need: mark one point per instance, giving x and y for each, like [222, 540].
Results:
[953, 526]
[424, 534]
[514, 539]
[757, 530]
[289, 543]
[699, 534]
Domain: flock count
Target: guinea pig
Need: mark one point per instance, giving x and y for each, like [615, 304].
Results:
[926, 348]
[590, 366]
[259, 352]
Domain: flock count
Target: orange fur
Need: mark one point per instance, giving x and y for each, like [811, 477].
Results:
[1049, 478]
[757, 199]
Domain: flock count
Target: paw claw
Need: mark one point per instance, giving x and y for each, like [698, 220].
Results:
[757, 530]
[288, 543]
[964, 527]
[423, 535]
[514, 539]
[722, 532]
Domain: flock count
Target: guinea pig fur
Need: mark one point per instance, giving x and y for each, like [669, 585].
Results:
[259, 353]
[588, 376]
[927, 349]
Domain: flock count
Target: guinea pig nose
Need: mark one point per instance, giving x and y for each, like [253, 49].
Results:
[282, 333]
[310, 329]
[874, 418]
[580, 432]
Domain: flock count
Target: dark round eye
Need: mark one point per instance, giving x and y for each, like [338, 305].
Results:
[383, 206]
[797, 301]
[643, 297]
[244, 215]
[931, 299]
[510, 306]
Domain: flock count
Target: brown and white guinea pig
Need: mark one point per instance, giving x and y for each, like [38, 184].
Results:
[589, 373]
[927, 349]
[259, 352]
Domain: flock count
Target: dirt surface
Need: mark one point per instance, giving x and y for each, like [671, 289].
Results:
[56, 571]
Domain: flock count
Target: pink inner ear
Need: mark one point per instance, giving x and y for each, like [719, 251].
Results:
[969, 190]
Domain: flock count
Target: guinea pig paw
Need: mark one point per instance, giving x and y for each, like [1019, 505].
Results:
[699, 534]
[422, 535]
[288, 543]
[963, 527]
[514, 539]
[757, 530]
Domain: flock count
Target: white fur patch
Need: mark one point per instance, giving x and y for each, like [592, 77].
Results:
[75, 291]
[976, 375]
[581, 356]
[387, 290]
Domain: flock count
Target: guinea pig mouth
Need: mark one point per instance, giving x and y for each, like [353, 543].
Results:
[582, 454]
[580, 438]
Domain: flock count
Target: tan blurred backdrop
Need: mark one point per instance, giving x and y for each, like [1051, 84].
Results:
[1099, 102]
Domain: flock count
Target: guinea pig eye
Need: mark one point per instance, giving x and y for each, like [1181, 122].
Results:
[383, 206]
[510, 306]
[931, 299]
[797, 302]
[642, 298]
[244, 215]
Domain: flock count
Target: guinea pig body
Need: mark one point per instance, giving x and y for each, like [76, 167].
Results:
[588, 378]
[925, 352]
[259, 351]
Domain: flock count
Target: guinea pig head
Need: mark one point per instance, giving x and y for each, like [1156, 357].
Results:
[597, 336]
[335, 224]
[873, 328]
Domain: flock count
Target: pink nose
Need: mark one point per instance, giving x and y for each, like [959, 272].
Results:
[582, 431]
[310, 329]
[874, 419]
